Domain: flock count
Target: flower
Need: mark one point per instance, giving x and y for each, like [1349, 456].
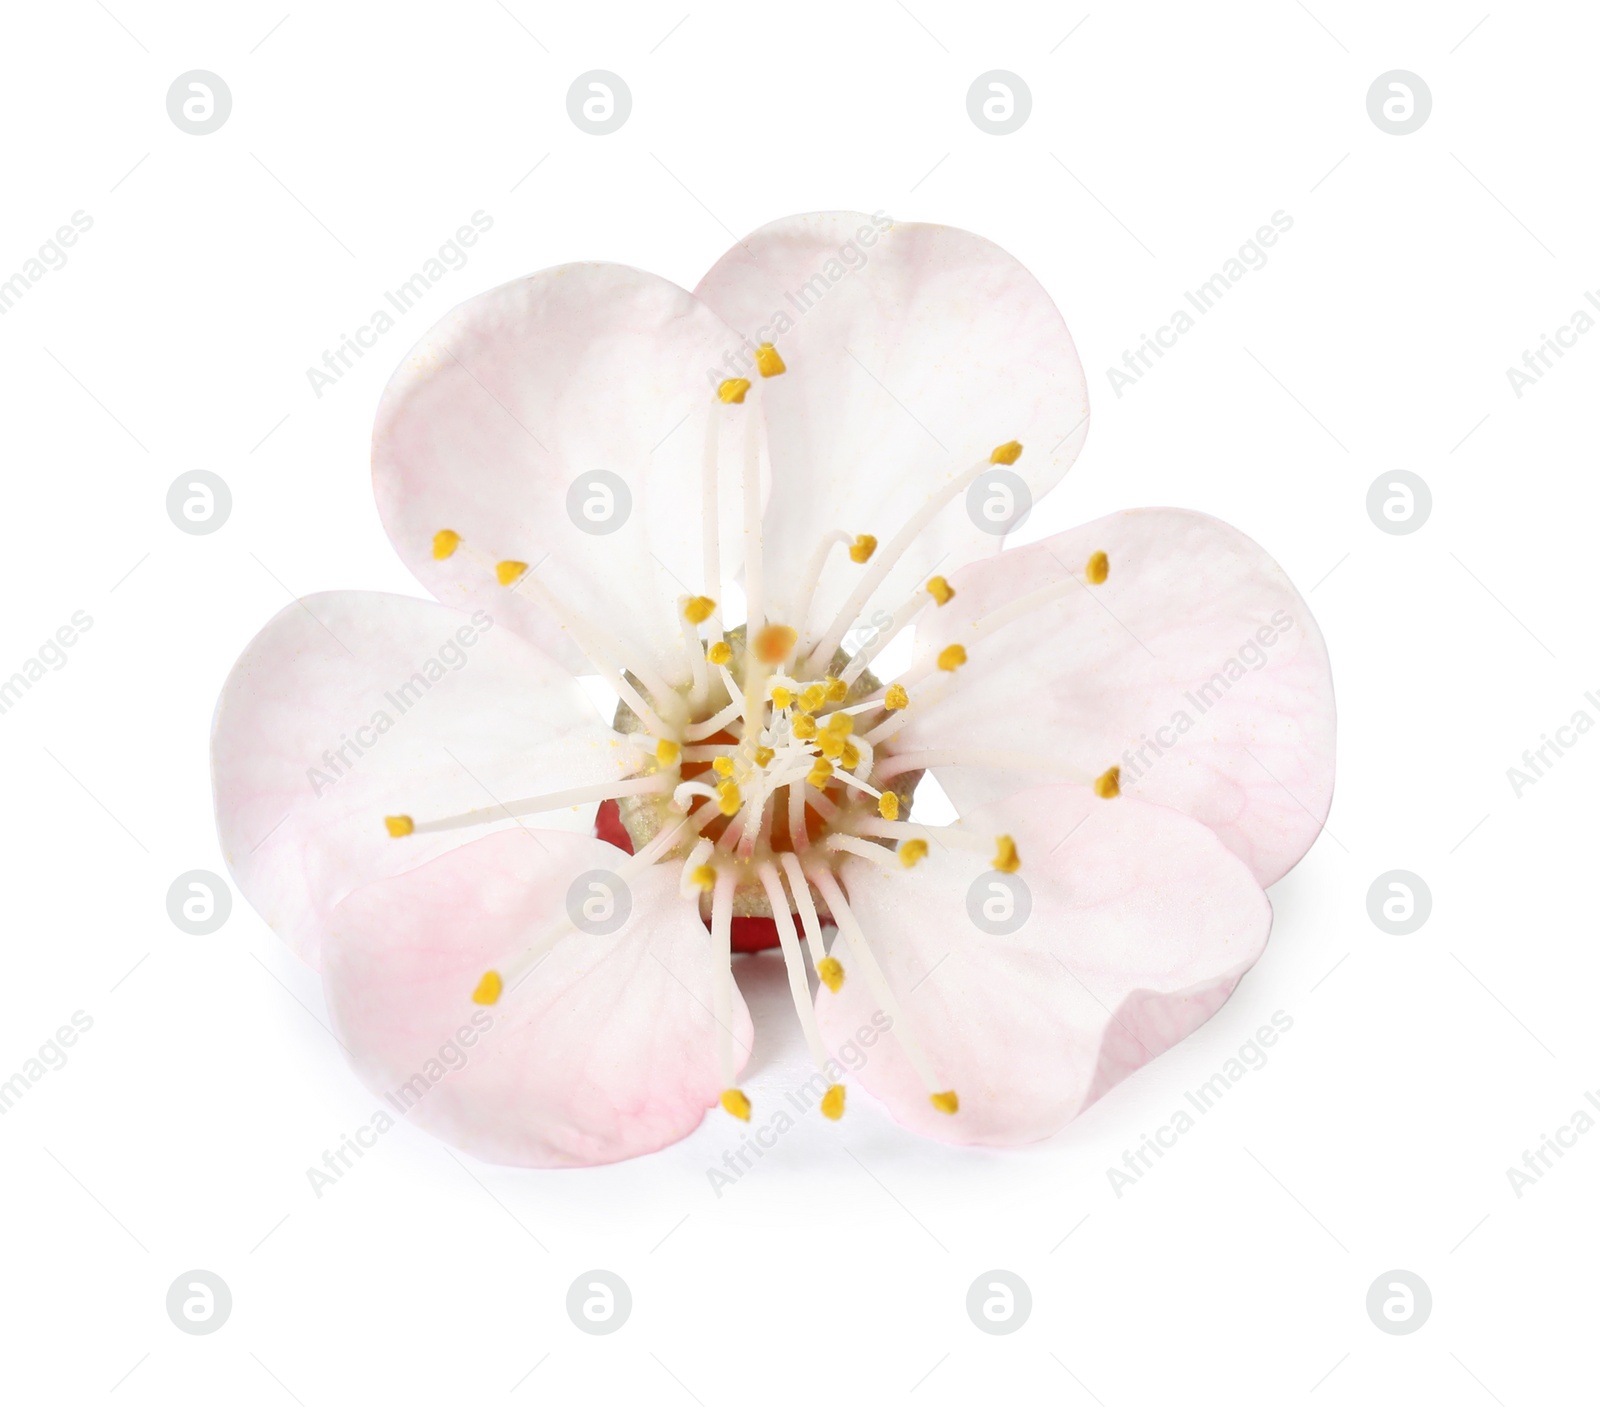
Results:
[1134, 719]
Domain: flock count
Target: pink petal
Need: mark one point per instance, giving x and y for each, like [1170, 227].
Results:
[519, 393]
[607, 1050]
[1196, 667]
[1141, 925]
[912, 352]
[437, 714]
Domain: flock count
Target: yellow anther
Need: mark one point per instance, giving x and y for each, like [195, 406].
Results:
[1008, 453]
[720, 653]
[1005, 855]
[444, 543]
[830, 744]
[722, 766]
[1099, 568]
[731, 391]
[895, 696]
[764, 756]
[803, 726]
[833, 1102]
[508, 572]
[668, 752]
[399, 825]
[940, 590]
[488, 990]
[889, 806]
[952, 657]
[1109, 783]
[728, 799]
[911, 851]
[837, 689]
[812, 697]
[781, 697]
[820, 771]
[850, 758]
[863, 547]
[703, 877]
[841, 723]
[831, 971]
[735, 1103]
[698, 609]
[768, 362]
[774, 643]
[945, 1103]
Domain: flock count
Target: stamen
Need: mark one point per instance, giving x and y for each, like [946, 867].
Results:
[764, 756]
[1008, 453]
[896, 697]
[731, 391]
[829, 970]
[734, 1101]
[781, 697]
[689, 885]
[697, 610]
[399, 825]
[835, 690]
[1099, 568]
[852, 845]
[803, 726]
[722, 765]
[902, 617]
[833, 1102]
[488, 990]
[945, 1102]
[795, 967]
[941, 590]
[716, 723]
[728, 799]
[819, 774]
[812, 697]
[1109, 783]
[720, 652]
[1006, 859]
[668, 752]
[921, 759]
[444, 543]
[755, 603]
[889, 806]
[654, 785]
[773, 644]
[862, 548]
[952, 657]
[704, 877]
[911, 851]
[508, 572]
[711, 546]
[768, 362]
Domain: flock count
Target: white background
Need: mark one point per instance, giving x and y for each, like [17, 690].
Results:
[1377, 338]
